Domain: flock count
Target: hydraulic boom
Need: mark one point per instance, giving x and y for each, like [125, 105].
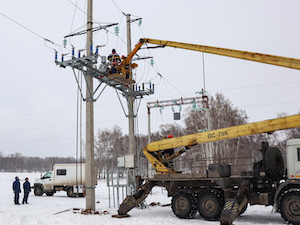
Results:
[252, 56]
[154, 150]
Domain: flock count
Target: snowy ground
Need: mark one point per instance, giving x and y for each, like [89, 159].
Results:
[42, 210]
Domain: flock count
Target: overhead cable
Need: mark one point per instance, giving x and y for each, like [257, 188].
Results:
[77, 7]
[119, 8]
[23, 26]
[31, 31]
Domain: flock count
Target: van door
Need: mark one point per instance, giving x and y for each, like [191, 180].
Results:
[47, 181]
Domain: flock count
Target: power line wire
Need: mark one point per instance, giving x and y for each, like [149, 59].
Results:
[36, 128]
[39, 113]
[47, 112]
[40, 139]
[77, 6]
[23, 26]
[118, 7]
[270, 104]
[254, 86]
[123, 119]
[73, 19]
[31, 31]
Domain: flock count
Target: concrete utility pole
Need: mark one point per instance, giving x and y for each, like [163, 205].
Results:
[131, 133]
[207, 127]
[90, 167]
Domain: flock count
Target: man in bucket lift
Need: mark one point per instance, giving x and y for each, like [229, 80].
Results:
[114, 60]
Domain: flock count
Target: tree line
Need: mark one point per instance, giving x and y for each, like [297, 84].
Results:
[19, 163]
[112, 143]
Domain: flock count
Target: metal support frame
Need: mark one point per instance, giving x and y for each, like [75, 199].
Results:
[130, 108]
[80, 89]
[116, 189]
[116, 82]
[172, 102]
[181, 101]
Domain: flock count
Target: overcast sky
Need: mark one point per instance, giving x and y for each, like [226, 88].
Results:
[38, 99]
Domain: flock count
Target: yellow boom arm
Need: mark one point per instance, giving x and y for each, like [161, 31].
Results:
[252, 56]
[268, 126]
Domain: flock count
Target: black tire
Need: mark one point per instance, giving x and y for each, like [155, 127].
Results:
[70, 192]
[184, 204]
[274, 163]
[38, 190]
[50, 193]
[210, 205]
[290, 206]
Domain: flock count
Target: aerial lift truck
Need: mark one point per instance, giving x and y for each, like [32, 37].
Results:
[217, 195]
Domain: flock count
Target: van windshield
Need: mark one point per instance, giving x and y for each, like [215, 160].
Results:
[47, 175]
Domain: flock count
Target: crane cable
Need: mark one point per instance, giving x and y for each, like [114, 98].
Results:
[203, 71]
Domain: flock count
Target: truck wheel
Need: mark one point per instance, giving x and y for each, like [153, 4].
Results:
[184, 204]
[210, 204]
[50, 193]
[290, 206]
[70, 192]
[274, 163]
[38, 191]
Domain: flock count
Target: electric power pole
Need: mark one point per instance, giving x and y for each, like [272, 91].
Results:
[130, 102]
[131, 133]
[90, 167]
[207, 127]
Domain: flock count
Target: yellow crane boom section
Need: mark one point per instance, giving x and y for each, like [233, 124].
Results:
[252, 56]
[267, 126]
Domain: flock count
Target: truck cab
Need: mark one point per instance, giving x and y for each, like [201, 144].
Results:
[46, 180]
[44, 184]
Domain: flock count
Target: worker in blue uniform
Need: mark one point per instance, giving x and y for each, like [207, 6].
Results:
[16, 190]
[27, 190]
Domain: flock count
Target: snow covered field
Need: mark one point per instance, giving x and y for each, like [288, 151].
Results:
[42, 210]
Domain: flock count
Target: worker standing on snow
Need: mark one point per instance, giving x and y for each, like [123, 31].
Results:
[27, 190]
[114, 60]
[17, 190]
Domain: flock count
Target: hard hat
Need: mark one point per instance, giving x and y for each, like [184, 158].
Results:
[26, 178]
[170, 136]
